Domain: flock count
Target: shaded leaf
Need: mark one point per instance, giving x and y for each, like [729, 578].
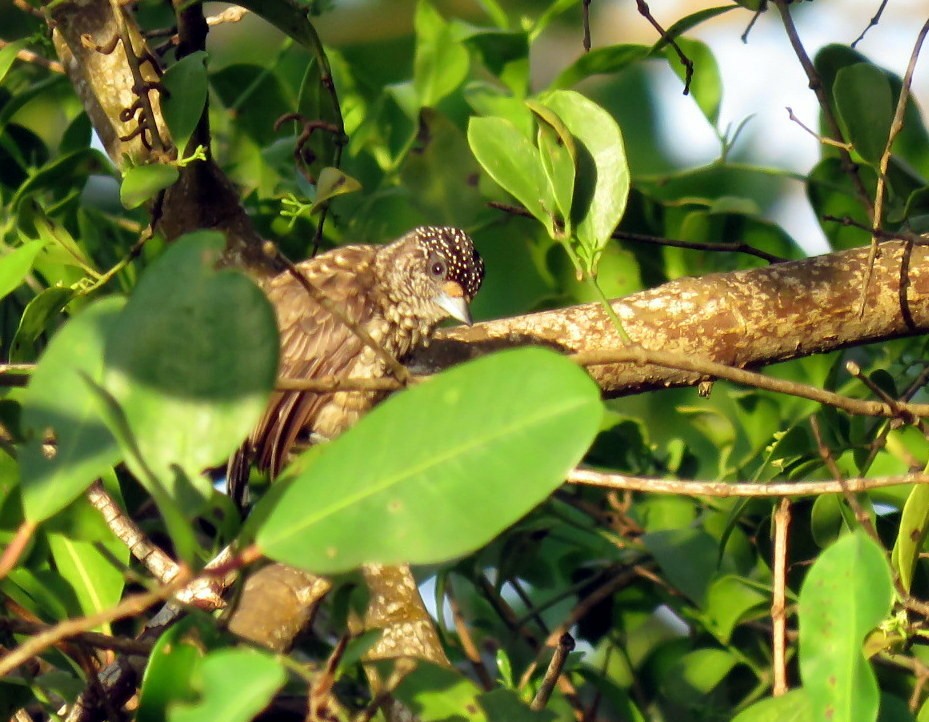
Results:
[58, 399]
[865, 106]
[183, 104]
[178, 362]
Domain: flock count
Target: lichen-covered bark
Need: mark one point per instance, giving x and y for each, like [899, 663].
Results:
[103, 81]
[744, 318]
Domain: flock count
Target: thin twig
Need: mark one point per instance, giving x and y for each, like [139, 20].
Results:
[873, 23]
[725, 490]
[467, 641]
[688, 64]
[779, 601]
[896, 126]
[555, 667]
[27, 56]
[92, 639]
[16, 547]
[585, 9]
[641, 356]
[819, 138]
[130, 606]
[816, 85]
[660, 241]
[864, 521]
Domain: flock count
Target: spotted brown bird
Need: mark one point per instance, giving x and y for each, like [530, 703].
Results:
[397, 293]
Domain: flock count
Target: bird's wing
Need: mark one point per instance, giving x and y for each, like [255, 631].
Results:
[314, 344]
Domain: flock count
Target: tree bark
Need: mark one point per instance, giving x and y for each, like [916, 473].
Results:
[744, 318]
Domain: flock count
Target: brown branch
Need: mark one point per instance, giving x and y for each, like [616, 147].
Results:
[91, 639]
[739, 319]
[27, 56]
[779, 601]
[162, 567]
[725, 490]
[128, 607]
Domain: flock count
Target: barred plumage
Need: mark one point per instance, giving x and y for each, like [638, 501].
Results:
[397, 293]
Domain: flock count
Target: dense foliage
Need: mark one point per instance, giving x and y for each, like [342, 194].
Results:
[138, 358]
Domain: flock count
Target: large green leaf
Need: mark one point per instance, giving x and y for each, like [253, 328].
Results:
[846, 594]
[791, 707]
[59, 399]
[192, 359]
[602, 184]
[432, 473]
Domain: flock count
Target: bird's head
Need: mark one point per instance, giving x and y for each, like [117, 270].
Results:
[436, 270]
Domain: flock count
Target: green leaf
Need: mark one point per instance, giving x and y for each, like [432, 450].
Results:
[706, 86]
[602, 185]
[332, 182]
[432, 692]
[696, 674]
[865, 105]
[192, 358]
[36, 320]
[234, 685]
[448, 488]
[914, 524]
[183, 104]
[846, 593]
[607, 60]
[16, 264]
[96, 582]
[687, 556]
[729, 601]
[440, 63]
[791, 707]
[57, 398]
[8, 55]
[144, 182]
[559, 159]
[504, 705]
[513, 162]
[169, 673]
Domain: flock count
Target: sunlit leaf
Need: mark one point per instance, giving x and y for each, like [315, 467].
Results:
[448, 488]
[846, 593]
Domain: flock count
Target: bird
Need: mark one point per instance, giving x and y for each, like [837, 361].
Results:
[397, 293]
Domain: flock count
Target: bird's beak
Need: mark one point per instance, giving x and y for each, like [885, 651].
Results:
[451, 299]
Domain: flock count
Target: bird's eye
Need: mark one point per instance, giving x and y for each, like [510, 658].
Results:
[437, 267]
